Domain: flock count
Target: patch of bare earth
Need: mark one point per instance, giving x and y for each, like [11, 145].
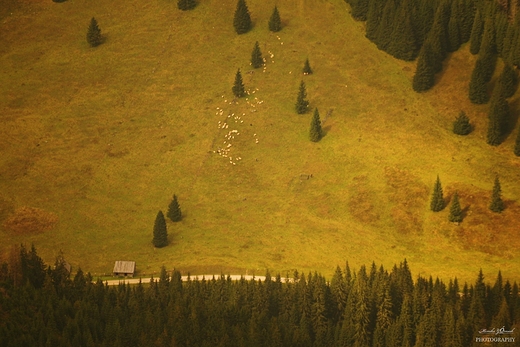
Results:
[484, 230]
[30, 220]
[409, 197]
[360, 202]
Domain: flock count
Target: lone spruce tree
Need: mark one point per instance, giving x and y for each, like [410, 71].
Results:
[455, 210]
[242, 19]
[307, 67]
[256, 56]
[316, 132]
[517, 144]
[496, 205]
[275, 24]
[93, 33]
[461, 125]
[160, 234]
[238, 87]
[174, 210]
[301, 103]
[437, 202]
[186, 5]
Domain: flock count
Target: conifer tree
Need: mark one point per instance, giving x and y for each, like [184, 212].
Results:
[385, 27]
[238, 88]
[508, 81]
[256, 57]
[174, 210]
[476, 33]
[160, 233]
[424, 77]
[359, 9]
[275, 23]
[466, 11]
[94, 33]
[478, 93]
[374, 13]
[461, 126]
[455, 210]
[498, 119]
[517, 144]
[437, 201]
[454, 37]
[185, 5]
[403, 44]
[496, 205]
[316, 132]
[307, 67]
[301, 103]
[242, 19]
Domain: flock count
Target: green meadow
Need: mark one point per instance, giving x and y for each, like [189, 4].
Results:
[95, 141]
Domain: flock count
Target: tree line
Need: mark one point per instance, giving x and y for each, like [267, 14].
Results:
[368, 307]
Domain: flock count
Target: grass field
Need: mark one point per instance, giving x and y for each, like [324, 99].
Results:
[102, 138]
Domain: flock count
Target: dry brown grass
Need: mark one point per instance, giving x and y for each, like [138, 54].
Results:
[27, 220]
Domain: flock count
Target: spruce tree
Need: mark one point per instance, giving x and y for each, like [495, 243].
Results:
[517, 144]
[476, 33]
[454, 37]
[307, 67]
[496, 205]
[275, 23]
[478, 93]
[402, 44]
[238, 88]
[160, 233]
[424, 77]
[498, 119]
[437, 201]
[174, 210]
[316, 132]
[94, 33]
[186, 4]
[508, 81]
[461, 126]
[301, 103]
[455, 210]
[242, 19]
[359, 9]
[374, 13]
[256, 57]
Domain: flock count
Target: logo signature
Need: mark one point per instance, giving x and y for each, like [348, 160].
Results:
[496, 331]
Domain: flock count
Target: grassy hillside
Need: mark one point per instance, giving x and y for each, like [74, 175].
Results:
[100, 140]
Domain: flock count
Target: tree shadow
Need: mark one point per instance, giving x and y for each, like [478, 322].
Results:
[465, 211]
[325, 130]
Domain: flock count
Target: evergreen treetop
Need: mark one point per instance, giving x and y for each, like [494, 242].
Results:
[496, 205]
[242, 19]
[256, 56]
[94, 33]
[316, 132]
[307, 67]
[275, 23]
[238, 87]
[301, 103]
[461, 126]
[174, 210]
[160, 233]
[437, 201]
[186, 5]
[517, 144]
[455, 210]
